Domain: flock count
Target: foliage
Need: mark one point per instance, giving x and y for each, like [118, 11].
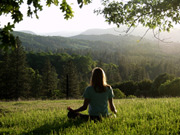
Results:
[50, 79]
[129, 67]
[70, 79]
[127, 87]
[118, 94]
[162, 78]
[131, 96]
[112, 73]
[14, 80]
[35, 83]
[144, 88]
[170, 88]
[153, 14]
[135, 116]
[135, 61]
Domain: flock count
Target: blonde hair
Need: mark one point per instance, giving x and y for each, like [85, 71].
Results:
[98, 80]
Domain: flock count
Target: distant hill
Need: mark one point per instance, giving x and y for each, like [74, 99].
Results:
[36, 42]
[106, 42]
[28, 32]
[103, 37]
[172, 36]
[108, 38]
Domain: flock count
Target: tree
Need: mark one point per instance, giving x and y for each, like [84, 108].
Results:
[112, 73]
[162, 78]
[153, 14]
[35, 82]
[144, 88]
[5, 77]
[127, 87]
[139, 74]
[170, 88]
[70, 80]
[83, 65]
[50, 80]
[12, 8]
[18, 70]
[14, 77]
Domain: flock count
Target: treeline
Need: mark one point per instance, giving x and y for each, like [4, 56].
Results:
[43, 75]
[164, 85]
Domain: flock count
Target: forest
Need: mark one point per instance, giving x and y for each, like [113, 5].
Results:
[43, 67]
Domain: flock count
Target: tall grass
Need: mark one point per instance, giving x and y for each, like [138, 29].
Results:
[135, 117]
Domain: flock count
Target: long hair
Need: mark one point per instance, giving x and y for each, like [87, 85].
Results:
[98, 80]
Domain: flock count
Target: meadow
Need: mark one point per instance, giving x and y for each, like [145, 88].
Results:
[137, 116]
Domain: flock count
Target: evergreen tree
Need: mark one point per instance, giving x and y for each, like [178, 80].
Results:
[70, 76]
[14, 80]
[18, 69]
[112, 73]
[139, 74]
[5, 77]
[50, 79]
[35, 82]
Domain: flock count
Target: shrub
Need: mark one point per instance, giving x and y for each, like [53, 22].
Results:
[131, 96]
[170, 88]
[119, 94]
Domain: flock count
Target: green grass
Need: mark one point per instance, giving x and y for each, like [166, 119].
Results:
[135, 117]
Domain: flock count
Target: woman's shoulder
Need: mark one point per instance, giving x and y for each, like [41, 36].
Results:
[89, 88]
[108, 86]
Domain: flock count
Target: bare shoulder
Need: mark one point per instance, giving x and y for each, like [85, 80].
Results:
[109, 87]
[89, 87]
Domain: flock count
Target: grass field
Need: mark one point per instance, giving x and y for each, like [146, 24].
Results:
[135, 117]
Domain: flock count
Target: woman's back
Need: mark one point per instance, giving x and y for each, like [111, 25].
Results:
[98, 104]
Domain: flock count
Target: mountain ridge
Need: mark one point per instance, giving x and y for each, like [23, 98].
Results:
[172, 36]
[104, 42]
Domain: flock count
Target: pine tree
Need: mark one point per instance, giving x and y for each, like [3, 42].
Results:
[50, 79]
[70, 73]
[14, 82]
[35, 82]
[18, 69]
[139, 74]
[5, 77]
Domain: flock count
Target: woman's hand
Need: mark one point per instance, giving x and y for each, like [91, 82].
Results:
[69, 108]
[80, 109]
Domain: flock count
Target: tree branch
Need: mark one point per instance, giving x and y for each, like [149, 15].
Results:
[144, 34]
[162, 40]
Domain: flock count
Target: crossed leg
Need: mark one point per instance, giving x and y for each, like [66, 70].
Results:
[73, 115]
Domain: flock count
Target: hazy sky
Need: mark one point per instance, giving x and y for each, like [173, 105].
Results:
[51, 19]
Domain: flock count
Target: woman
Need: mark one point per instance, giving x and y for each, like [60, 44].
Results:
[97, 96]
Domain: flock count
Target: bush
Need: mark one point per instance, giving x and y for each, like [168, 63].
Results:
[170, 88]
[119, 94]
[131, 96]
[128, 87]
[162, 78]
[144, 88]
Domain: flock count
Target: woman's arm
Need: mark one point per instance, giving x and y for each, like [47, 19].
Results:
[111, 105]
[82, 108]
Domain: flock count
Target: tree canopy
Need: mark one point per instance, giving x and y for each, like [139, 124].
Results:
[161, 14]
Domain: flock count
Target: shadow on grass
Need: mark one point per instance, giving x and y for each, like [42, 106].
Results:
[56, 127]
